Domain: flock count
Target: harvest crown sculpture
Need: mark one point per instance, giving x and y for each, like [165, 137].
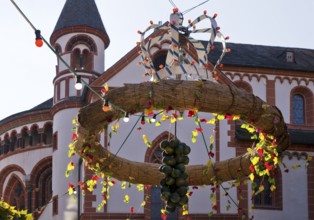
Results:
[211, 97]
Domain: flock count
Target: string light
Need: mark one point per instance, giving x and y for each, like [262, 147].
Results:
[143, 120]
[105, 108]
[78, 83]
[39, 40]
[126, 117]
[154, 118]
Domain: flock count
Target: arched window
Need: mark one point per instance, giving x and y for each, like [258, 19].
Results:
[82, 59]
[24, 137]
[13, 141]
[42, 181]
[76, 59]
[15, 192]
[47, 135]
[298, 109]
[35, 136]
[268, 199]
[302, 106]
[6, 146]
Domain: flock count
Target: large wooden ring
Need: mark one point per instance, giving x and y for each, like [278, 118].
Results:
[212, 97]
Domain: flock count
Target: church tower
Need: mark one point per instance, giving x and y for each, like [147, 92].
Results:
[80, 39]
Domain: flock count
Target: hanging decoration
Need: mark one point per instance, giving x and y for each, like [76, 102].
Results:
[39, 40]
[174, 186]
[178, 65]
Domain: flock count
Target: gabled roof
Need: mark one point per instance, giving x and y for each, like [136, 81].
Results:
[242, 55]
[78, 13]
[257, 56]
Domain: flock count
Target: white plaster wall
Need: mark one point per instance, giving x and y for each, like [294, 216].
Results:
[199, 202]
[67, 205]
[99, 58]
[67, 59]
[282, 93]
[226, 153]
[62, 89]
[47, 213]
[116, 204]
[258, 85]
[294, 192]
[132, 73]
[72, 90]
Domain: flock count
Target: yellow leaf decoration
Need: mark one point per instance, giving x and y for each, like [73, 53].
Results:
[185, 212]
[143, 204]
[272, 187]
[173, 120]
[193, 139]
[140, 187]
[106, 87]
[220, 117]
[211, 121]
[294, 167]
[236, 117]
[252, 177]
[148, 144]
[209, 164]
[71, 166]
[211, 139]
[195, 133]
[250, 151]
[254, 160]
[126, 199]
[123, 185]
[70, 191]
[164, 117]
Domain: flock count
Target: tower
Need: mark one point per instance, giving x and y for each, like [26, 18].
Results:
[80, 39]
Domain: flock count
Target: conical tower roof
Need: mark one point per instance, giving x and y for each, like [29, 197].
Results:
[80, 16]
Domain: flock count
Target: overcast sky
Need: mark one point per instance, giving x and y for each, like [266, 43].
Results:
[27, 71]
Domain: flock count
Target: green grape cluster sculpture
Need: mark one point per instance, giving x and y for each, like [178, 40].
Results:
[174, 186]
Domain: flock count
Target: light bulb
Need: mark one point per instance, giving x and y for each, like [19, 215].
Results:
[78, 83]
[126, 117]
[143, 120]
[105, 108]
[39, 42]
[39, 39]
[153, 118]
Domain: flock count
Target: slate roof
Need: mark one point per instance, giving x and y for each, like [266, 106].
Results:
[46, 105]
[257, 56]
[80, 13]
[42, 106]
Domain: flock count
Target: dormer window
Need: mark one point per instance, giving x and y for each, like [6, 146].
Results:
[290, 57]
